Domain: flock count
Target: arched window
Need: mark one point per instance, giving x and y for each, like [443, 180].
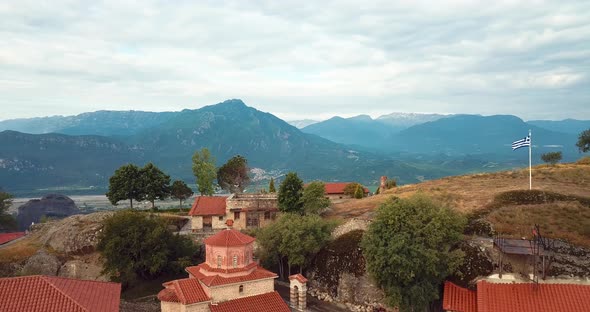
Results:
[241, 289]
[218, 262]
[235, 261]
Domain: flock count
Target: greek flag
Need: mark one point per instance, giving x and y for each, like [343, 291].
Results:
[521, 143]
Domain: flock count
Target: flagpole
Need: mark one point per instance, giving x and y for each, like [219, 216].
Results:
[530, 161]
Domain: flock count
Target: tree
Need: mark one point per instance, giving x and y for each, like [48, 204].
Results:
[156, 184]
[350, 188]
[204, 171]
[359, 192]
[408, 249]
[294, 240]
[126, 183]
[314, 199]
[233, 175]
[290, 192]
[551, 157]
[136, 245]
[584, 141]
[271, 186]
[7, 221]
[180, 191]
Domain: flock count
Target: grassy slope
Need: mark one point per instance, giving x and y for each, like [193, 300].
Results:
[471, 193]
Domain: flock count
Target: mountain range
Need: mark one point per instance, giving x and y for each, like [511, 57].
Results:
[81, 152]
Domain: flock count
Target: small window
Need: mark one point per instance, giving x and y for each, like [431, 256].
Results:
[220, 218]
[218, 262]
[273, 215]
[241, 289]
[236, 215]
[235, 261]
[266, 215]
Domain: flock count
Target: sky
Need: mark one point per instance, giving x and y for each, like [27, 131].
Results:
[296, 59]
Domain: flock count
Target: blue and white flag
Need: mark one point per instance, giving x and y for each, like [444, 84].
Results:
[521, 143]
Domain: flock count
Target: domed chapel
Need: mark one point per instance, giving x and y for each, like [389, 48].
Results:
[229, 280]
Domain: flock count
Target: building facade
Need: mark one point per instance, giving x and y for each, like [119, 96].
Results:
[209, 213]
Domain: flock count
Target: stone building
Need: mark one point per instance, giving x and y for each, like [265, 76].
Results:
[209, 213]
[335, 190]
[228, 280]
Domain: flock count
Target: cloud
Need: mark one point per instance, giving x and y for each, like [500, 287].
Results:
[296, 59]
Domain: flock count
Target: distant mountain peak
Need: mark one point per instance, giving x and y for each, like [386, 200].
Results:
[361, 118]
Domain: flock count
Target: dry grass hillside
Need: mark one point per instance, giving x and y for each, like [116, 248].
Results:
[478, 193]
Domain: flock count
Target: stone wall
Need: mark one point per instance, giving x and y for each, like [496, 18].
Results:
[351, 225]
[251, 288]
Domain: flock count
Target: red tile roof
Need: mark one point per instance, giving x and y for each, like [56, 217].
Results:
[338, 188]
[459, 299]
[50, 293]
[520, 297]
[217, 280]
[208, 206]
[7, 237]
[229, 237]
[524, 297]
[269, 302]
[185, 291]
[298, 277]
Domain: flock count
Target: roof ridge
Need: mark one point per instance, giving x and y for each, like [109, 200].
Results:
[48, 281]
[179, 291]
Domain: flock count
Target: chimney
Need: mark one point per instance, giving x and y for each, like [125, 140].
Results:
[298, 287]
[229, 223]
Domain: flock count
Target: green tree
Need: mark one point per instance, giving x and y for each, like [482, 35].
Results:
[314, 199]
[391, 183]
[271, 186]
[294, 240]
[290, 192]
[7, 221]
[583, 143]
[126, 183]
[359, 192]
[204, 171]
[233, 175]
[156, 184]
[350, 188]
[181, 191]
[408, 250]
[136, 246]
[551, 157]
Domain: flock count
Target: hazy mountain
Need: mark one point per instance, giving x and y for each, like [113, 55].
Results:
[36, 162]
[360, 130]
[474, 134]
[29, 161]
[406, 120]
[571, 126]
[302, 123]
[106, 123]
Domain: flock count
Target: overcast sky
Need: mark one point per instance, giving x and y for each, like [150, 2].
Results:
[296, 59]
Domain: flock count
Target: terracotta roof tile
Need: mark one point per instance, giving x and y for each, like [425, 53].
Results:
[269, 302]
[185, 291]
[526, 297]
[217, 280]
[298, 277]
[50, 293]
[459, 299]
[229, 237]
[208, 206]
[7, 237]
[338, 188]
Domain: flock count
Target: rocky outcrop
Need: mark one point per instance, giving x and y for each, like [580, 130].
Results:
[50, 206]
[338, 273]
[87, 267]
[74, 235]
[42, 263]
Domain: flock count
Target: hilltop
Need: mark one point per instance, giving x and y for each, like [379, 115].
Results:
[562, 209]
